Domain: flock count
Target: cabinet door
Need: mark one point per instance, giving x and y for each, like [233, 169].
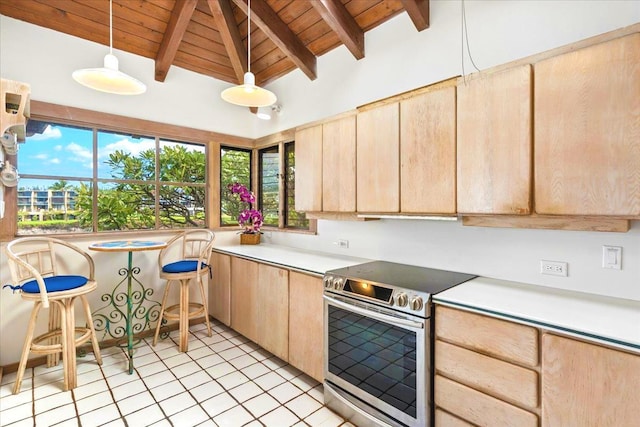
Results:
[378, 159]
[272, 310]
[494, 143]
[220, 288]
[339, 165]
[587, 132]
[428, 152]
[244, 297]
[306, 324]
[309, 169]
[588, 385]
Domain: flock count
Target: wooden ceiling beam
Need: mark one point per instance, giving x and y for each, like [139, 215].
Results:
[342, 23]
[269, 22]
[231, 38]
[180, 18]
[418, 11]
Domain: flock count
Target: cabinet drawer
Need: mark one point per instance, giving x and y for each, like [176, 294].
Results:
[479, 408]
[495, 337]
[496, 377]
[445, 419]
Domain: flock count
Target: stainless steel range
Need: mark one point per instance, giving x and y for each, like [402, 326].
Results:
[378, 348]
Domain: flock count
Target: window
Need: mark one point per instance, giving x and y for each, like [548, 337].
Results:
[235, 166]
[292, 218]
[77, 179]
[269, 186]
[272, 188]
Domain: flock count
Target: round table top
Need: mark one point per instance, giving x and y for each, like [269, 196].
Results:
[127, 245]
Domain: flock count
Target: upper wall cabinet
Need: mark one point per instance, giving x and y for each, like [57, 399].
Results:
[587, 130]
[428, 152]
[494, 143]
[339, 165]
[326, 166]
[378, 159]
[309, 169]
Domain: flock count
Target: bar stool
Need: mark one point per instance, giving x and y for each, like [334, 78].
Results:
[191, 262]
[34, 263]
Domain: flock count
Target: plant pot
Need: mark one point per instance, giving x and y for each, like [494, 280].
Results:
[249, 239]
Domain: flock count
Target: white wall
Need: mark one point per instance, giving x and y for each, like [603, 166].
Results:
[398, 58]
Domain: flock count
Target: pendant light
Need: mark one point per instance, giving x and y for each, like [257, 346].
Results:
[248, 94]
[108, 78]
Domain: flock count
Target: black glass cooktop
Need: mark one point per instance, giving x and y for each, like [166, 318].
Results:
[404, 276]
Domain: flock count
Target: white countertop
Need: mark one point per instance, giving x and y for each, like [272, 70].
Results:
[298, 259]
[611, 321]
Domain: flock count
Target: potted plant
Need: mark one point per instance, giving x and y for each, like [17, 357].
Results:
[249, 219]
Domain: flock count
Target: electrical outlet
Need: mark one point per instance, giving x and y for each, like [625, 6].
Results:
[554, 268]
[342, 243]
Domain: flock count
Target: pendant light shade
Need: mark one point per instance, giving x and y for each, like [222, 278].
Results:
[248, 94]
[108, 78]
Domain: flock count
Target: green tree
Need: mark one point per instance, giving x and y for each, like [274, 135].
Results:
[131, 205]
[235, 166]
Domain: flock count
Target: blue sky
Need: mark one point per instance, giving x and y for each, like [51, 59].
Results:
[68, 151]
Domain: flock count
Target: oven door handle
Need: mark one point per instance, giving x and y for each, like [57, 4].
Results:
[374, 315]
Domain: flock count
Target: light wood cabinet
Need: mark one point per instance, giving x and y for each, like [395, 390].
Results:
[244, 297]
[428, 152]
[494, 143]
[488, 335]
[486, 370]
[306, 324]
[220, 288]
[587, 132]
[339, 165]
[308, 175]
[588, 385]
[272, 310]
[378, 159]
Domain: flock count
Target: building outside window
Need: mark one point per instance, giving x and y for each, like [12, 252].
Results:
[77, 179]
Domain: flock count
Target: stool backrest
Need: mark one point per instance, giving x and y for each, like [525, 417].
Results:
[34, 258]
[193, 245]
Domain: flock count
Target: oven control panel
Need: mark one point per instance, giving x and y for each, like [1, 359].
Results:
[407, 301]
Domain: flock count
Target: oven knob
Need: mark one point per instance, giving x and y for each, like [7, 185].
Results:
[327, 281]
[401, 299]
[337, 283]
[416, 303]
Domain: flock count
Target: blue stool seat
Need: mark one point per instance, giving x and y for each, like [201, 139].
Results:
[55, 284]
[183, 266]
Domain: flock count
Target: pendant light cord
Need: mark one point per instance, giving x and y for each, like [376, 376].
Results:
[111, 27]
[249, 36]
[465, 40]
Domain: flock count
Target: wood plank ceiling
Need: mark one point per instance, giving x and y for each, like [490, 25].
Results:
[210, 36]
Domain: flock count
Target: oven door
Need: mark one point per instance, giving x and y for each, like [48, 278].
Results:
[380, 358]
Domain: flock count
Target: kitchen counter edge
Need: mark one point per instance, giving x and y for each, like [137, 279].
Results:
[614, 322]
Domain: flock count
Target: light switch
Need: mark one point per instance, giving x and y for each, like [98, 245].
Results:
[612, 257]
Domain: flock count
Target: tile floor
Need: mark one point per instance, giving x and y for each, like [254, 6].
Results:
[223, 380]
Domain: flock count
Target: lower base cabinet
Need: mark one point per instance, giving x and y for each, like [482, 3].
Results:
[278, 309]
[305, 324]
[492, 372]
[584, 384]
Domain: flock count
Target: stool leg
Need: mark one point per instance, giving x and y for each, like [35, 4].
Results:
[54, 323]
[184, 315]
[162, 306]
[69, 344]
[27, 346]
[94, 339]
[204, 304]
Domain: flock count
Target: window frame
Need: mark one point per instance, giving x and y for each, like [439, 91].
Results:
[282, 191]
[72, 116]
[222, 189]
